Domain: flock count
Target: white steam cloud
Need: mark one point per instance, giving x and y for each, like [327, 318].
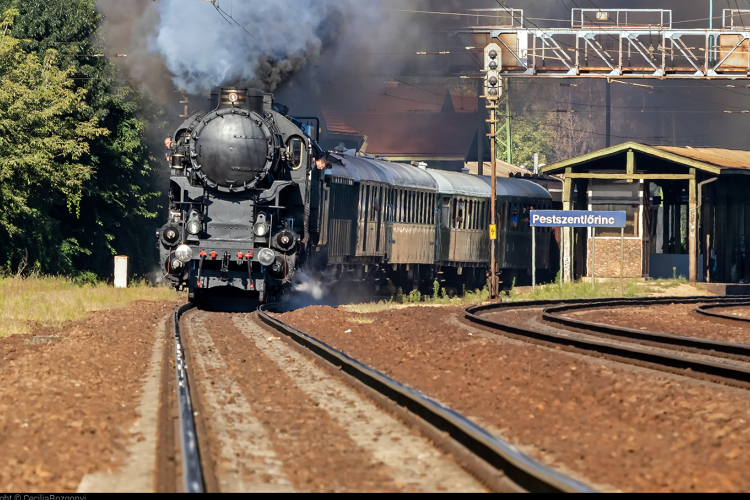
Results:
[259, 42]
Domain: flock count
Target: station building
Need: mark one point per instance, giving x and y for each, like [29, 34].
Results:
[684, 206]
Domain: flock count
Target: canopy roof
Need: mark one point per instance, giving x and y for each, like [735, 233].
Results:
[709, 160]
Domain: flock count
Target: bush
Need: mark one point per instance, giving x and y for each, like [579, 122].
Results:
[399, 299]
[391, 289]
[415, 297]
[85, 278]
[436, 290]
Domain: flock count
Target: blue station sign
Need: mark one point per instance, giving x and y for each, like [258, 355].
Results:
[576, 218]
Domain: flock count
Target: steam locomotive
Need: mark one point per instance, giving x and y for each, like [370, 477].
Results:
[247, 208]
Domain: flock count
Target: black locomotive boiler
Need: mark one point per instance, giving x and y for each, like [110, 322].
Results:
[239, 188]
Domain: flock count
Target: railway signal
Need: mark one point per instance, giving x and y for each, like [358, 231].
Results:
[493, 88]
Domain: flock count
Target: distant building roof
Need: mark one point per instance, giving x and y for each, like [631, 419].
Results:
[414, 136]
[334, 125]
[502, 168]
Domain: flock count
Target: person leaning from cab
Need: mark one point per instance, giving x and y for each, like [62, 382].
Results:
[168, 145]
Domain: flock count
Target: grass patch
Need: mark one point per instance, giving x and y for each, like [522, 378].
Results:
[603, 289]
[53, 300]
[371, 307]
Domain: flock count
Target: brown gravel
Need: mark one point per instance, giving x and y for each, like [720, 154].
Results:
[676, 319]
[613, 424]
[317, 454]
[66, 404]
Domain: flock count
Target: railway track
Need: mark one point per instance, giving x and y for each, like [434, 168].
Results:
[192, 473]
[690, 356]
[498, 465]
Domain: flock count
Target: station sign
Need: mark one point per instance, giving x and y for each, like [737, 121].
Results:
[577, 218]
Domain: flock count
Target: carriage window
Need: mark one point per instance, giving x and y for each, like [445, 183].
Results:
[421, 208]
[417, 207]
[361, 201]
[460, 214]
[294, 146]
[400, 202]
[377, 193]
[513, 219]
[408, 207]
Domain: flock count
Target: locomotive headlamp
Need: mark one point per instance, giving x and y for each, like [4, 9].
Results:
[493, 54]
[493, 65]
[260, 229]
[194, 226]
[493, 80]
[266, 256]
[184, 253]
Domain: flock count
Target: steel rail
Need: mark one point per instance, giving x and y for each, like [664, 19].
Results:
[736, 349]
[192, 473]
[502, 456]
[612, 348]
[705, 310]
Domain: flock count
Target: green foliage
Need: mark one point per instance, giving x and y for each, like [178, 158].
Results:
[391, 289]
[415, 297]
[76, 176]
[435, 290]
[530, 135]
[44, 149]
[399, 299]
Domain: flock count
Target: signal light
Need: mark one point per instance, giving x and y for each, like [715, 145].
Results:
[492, 65]
[239, 255]
[202, 254]
[213, 255]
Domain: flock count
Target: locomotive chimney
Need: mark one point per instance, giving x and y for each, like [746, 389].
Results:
[226, 97]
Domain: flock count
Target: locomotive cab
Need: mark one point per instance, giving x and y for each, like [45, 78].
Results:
[239, 185]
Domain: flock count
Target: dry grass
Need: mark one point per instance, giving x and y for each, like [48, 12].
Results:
[50, 301]
[373, 307]
[362, 320]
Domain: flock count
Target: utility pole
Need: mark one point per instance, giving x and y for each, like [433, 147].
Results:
[608, 118]
[492, 92]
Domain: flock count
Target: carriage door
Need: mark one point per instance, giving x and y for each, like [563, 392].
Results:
[390, 208]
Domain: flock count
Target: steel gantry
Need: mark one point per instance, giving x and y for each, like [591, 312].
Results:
[622, 43]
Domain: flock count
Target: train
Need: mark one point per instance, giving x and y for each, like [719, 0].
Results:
[253, 199]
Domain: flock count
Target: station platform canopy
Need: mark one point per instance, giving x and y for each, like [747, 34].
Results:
[688, 211]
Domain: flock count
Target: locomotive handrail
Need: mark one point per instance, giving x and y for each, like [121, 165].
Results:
[503, 456]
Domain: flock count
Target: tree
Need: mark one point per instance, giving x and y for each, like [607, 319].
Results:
[43, 153]
[117, 198]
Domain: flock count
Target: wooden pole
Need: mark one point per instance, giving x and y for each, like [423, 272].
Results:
[622, 260]
[493, 182]
[693, 229]
[567, 274]
[533, 259]
[593, 256]
[561, 260]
